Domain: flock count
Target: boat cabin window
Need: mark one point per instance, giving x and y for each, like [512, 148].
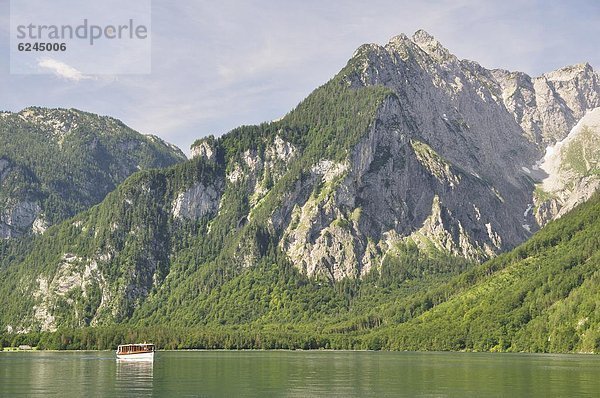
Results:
[135, 348]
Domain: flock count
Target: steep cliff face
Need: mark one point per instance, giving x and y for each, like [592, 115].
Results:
[392, 189]
[548, 106]
[57, 162]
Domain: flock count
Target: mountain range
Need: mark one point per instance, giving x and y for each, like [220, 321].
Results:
[375, 210]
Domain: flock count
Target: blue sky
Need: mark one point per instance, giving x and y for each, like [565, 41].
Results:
[217, 65]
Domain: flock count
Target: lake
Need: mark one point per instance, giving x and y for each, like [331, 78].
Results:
[299, 374]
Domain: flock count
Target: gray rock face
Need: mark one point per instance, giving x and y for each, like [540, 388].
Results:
[204, 149]
[74, 275]
[548, 106]
[396, 188]
[196, 202]
[261, 170]
[17, 218]
[444, 163]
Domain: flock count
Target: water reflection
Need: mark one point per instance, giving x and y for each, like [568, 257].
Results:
[299, 374]
[134, 376]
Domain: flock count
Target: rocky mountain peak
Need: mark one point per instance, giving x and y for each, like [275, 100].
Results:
[493, 125]
[423, 37]
[400, 39]
[570, 72]
[402, 46]
[431, 46]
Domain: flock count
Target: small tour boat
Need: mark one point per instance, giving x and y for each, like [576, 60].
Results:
[136, 352]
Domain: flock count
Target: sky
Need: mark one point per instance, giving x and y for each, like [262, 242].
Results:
[216, 65]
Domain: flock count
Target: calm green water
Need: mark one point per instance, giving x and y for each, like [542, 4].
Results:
[299, 374]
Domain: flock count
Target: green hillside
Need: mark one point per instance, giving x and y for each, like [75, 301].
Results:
[541, 297]
[55, 163]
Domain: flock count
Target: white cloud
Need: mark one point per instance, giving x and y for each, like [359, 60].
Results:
[61, 69]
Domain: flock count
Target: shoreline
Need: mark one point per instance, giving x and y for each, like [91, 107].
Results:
[327, 350]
